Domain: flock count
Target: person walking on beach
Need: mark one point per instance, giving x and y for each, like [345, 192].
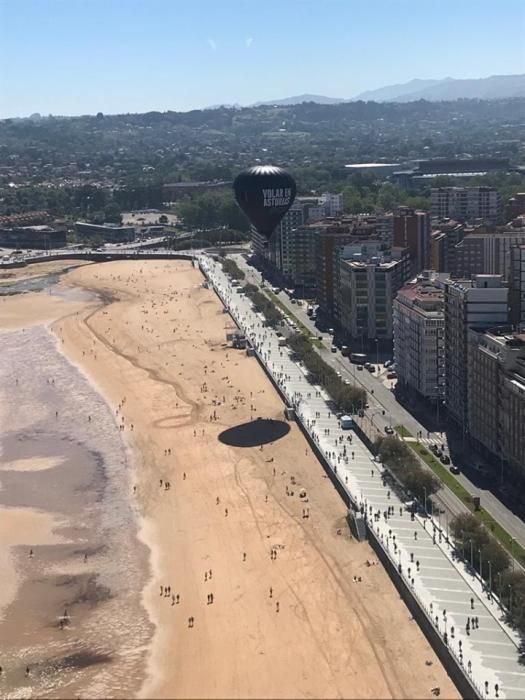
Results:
[277, 606]
[244, 556]
[271, 592]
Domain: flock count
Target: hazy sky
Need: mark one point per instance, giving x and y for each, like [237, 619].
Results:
[85, 56]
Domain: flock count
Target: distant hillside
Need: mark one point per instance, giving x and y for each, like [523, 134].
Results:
[391, 92]
[492, 88]
[299, 99]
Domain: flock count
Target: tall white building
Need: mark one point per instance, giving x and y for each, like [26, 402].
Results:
[466, 203]
[419, 335]
[481, 302]
[332, 203]
[366, 285]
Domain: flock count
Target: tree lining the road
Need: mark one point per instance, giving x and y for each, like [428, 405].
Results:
[478, 546]
[405, 467]
[348, 398]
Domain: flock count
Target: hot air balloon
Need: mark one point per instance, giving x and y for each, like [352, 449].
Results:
[264, 193]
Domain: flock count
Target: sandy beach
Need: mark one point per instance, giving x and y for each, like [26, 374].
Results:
[216, 578]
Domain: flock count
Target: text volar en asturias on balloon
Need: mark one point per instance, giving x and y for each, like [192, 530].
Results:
[277, 197]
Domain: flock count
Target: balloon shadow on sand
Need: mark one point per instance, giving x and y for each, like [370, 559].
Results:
[255, 433]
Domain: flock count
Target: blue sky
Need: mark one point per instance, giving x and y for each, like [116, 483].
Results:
[84, 56]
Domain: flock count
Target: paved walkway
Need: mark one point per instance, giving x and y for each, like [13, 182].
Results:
[488, 649]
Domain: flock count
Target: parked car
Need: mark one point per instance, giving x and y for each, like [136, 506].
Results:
[391, 375]
[359, 368]
[454, 469]
[389, 430]
[371, 368]
[333, 348]
[388, 363]
[367, 365]
[445, 459]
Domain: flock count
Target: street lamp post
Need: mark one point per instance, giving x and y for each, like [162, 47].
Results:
[480, 564]
[377, 353]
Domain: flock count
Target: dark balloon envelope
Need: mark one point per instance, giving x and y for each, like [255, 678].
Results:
[264, 193]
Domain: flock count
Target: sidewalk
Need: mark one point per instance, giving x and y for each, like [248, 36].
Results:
[449, 595]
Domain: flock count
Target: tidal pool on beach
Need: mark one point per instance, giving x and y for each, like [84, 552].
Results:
[69, 532]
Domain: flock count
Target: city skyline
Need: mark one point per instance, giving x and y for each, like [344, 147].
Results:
[77, 58]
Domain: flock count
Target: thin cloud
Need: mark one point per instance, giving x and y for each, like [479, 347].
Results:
[249, 42]
[212, 44]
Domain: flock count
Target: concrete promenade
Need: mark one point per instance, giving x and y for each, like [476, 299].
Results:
[488, 650]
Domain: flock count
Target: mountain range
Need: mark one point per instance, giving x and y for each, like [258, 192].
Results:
[491, 88]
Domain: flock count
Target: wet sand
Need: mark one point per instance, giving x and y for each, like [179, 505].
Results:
[67, 532]
[288, 624]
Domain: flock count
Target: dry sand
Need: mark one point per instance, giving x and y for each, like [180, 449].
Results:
[157, 351]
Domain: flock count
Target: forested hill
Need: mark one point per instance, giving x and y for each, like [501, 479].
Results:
[215, 143]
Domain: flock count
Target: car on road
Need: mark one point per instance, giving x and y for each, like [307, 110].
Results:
[445, 459]
[371, 368]
[453, 469]
[388, 363]
[389, 430]
[346, 381]
[331, 331]
[391, 375]
[359, 368]
[333, 348]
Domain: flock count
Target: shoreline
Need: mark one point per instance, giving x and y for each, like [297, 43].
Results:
[83, 657]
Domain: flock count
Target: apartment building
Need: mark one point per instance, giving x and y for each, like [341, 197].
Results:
[328, 239]
[487, 250]
[517, 286]
[419, 335]
[466, 203]
[411, 229]
[480, 302]
[496, 396]
[444, 238]
[367, 284]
